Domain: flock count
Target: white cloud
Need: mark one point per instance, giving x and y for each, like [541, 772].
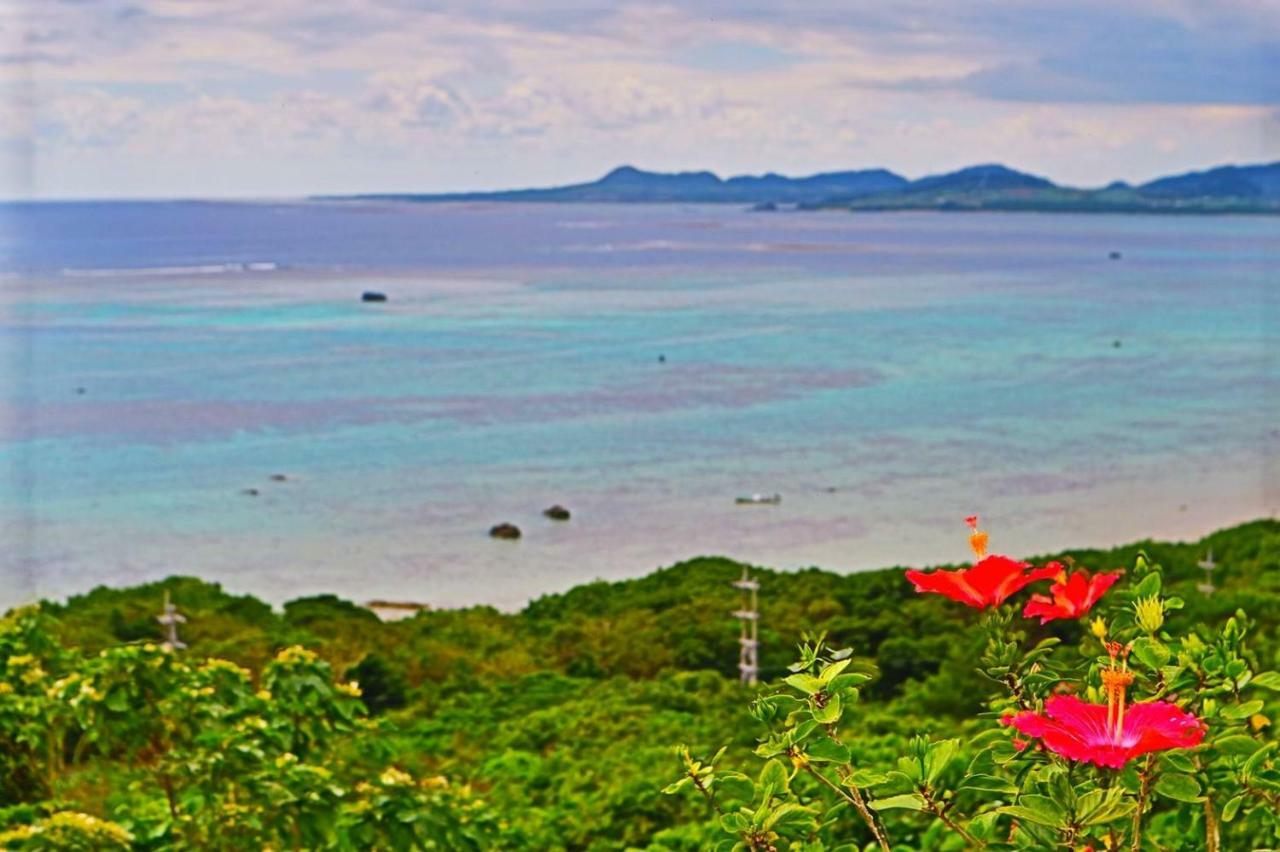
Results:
[384, 94]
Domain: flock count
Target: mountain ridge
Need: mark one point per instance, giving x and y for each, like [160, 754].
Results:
[990, 186]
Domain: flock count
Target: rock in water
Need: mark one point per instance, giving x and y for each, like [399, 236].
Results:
[557, 513]
[507, 531]
[1115, 255]
[373, 296]
[279, 477]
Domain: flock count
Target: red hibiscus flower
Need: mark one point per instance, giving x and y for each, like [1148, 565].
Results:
[1103, 734]
[1086, 732]
[988, 583]
[1070, 597]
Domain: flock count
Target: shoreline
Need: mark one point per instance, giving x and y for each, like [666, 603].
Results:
[234, 586]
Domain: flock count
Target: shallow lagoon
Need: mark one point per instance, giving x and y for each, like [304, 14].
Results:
[886, 373]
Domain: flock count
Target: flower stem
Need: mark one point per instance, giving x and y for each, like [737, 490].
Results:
[702, 788]
[935, 808]
[1144, 789]
[1211, 838]
[854, 797]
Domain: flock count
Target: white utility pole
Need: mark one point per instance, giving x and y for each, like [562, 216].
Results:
[749, 640]
[171, 618]
[1207, 565]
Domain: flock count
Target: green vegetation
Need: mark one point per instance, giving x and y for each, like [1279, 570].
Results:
[1055, 199]
[556, 727]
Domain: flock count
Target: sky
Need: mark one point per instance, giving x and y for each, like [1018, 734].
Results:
[270, 98]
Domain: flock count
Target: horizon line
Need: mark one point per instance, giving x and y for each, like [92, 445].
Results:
[314, 196]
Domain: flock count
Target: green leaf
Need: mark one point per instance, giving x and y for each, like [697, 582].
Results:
[1237, 744]
[988, 783]
[938, 758]
[1061, 791]
[1042, 649]
[734, 786]
[829, 713]
[773, 779]
[1037, 809]
[865, 778]
[827, 750]
[802, 731]
[983, 826]
[676, 786]
[772, 746]
[1099, 807]
[832, 671]
[117, 700]
[1259, 757]
[806, 683]
[1267, 680]
[1183, 788]
[788, 814]
[847, 680]
[1087, 804]
[1177, 762]
[1241, 711]
[1149, 585]
[907, 801]
[735, 823]
[910, 768]
[1151, 652]
[1232, 807]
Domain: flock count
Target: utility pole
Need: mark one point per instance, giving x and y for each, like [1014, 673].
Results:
[1207, 565]
[749, 639]
[171, 618]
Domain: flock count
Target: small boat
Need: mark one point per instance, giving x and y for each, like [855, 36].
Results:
[759, 500]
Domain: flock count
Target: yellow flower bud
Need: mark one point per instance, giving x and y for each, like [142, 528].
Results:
[393, 777]
[1149, 613]
[1099, 628]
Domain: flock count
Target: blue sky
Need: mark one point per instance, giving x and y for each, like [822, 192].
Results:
[254, 98]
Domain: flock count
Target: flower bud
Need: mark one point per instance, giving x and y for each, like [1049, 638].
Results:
[1099, 628]
[1149, 613]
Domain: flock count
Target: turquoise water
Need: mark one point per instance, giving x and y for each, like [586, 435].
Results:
[888, 374]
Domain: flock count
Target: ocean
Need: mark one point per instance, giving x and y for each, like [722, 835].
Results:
[197, 388]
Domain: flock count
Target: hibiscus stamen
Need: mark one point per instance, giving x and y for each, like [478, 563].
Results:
[1115, 680]
[977, 538]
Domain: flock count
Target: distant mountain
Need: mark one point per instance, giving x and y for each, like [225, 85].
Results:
[1261, 181]
[629, 184]
[1226, 189]
[1229, 189]
[979, 179]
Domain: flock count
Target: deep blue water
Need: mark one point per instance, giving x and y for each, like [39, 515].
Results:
[887, 373]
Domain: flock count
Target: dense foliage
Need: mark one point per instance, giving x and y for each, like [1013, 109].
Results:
[554, 727]
[1185, 768]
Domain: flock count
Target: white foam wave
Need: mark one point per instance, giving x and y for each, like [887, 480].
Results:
[202, 269]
